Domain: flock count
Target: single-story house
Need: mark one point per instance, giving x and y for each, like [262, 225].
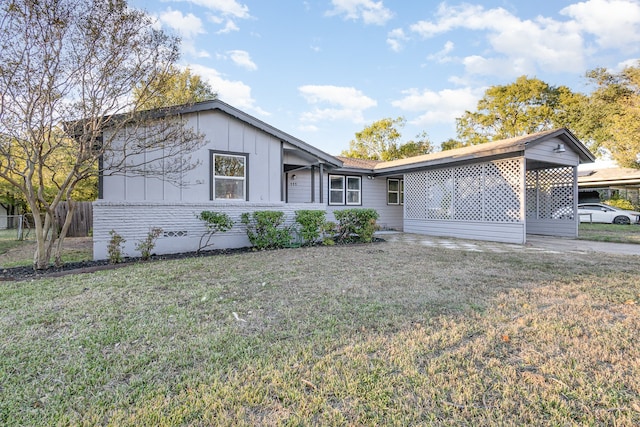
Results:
[497, 191]
[601, 184]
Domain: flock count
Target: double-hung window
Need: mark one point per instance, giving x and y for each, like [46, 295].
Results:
[395, 191]
[345, 190]
[229, 176]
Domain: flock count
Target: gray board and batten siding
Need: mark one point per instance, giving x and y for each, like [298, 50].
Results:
[133, 204]
[373, 194]
[223, 134]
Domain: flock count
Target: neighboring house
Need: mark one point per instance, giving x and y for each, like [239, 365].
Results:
[497, 191]
[602, 184]
[4, 220]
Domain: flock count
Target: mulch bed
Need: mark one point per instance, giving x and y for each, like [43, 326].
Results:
[28, 273]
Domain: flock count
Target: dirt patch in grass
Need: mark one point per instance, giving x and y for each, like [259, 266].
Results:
[21, 252]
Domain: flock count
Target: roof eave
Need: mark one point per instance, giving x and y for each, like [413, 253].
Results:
[519, 148]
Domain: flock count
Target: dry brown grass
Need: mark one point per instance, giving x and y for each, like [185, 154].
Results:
[381, 334]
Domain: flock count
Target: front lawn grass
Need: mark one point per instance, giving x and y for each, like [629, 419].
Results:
[379, 334]
[609, 232]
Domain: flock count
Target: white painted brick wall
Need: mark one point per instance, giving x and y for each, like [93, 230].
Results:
[133, 220]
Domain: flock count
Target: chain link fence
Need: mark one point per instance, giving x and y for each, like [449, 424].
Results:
[16, 227]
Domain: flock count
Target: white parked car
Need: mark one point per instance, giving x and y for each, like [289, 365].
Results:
[597, 212]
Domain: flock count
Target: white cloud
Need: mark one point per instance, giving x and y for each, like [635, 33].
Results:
[395, 39]
[614, 23]
[187, 26]
[438, 107]
[229, 27]
[308, 128]
[226, 11]
[234, 92]
[634, 62]
[345, 103]
[518, 46]
[542, 44]
[529, 45]
[371, 12]
[505, 67]
[225, 7]
[347, 97]
[443, 55]
[242, 59]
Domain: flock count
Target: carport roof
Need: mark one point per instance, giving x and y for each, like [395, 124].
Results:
[499, 148]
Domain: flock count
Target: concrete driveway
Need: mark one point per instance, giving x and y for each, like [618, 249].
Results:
[546, 244]
[584, 246]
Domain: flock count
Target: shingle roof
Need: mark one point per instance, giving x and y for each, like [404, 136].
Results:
[488, 149]
[609, 176]
[350, 162]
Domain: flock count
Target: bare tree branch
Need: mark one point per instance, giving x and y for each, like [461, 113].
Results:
[68, 69]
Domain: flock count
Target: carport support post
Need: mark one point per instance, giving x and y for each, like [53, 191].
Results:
[313, 184]
[575, 199]
[321, 181]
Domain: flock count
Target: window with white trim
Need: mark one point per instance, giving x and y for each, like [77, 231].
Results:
[395, 191]
[229, 176]
[345, 190]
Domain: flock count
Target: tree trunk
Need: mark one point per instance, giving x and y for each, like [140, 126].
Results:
[57, 253]
[46, 236]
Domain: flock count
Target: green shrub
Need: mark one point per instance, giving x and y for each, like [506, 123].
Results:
[620, 203]
[311, 222]
[146, 246]
[360, 223]
[114, 248]
[214, 222]
[265, 229]
[328, 231]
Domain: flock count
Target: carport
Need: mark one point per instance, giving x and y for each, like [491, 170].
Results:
[498, 191]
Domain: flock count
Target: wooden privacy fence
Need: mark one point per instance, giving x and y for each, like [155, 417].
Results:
[82, 220]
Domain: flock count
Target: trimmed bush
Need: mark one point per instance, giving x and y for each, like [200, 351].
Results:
[114, 248]
[146, 246]
[214, 222]
[329, 230]
[265, 229]
[356, 223]
[311, 222]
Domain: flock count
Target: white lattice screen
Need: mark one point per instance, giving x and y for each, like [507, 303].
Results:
[550, 193]
[415, 196]
[479, 192]
[503, 190]
[439, 194]
[468, 195]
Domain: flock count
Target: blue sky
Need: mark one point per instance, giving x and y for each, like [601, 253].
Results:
[323, 70]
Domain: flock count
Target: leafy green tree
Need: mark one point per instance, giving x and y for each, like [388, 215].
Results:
[610, 116]
[67, 73]
[412, 148]
[380, 141]
[450, 144]
[526, 106]
[173, 87]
